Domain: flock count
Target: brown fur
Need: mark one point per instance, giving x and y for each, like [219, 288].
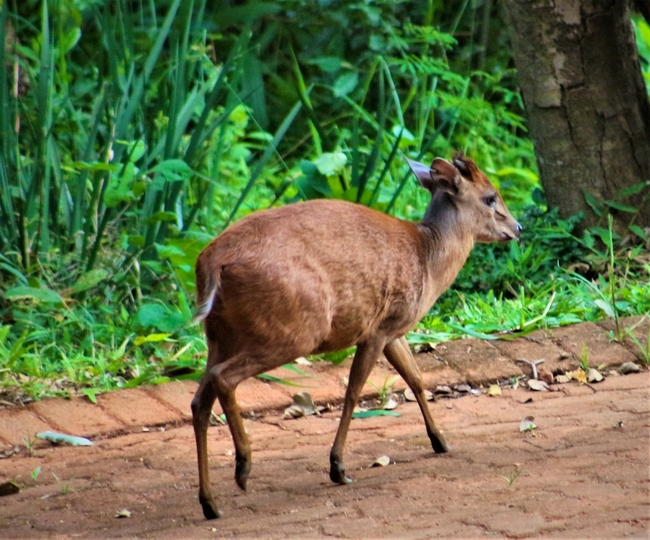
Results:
[326, 275]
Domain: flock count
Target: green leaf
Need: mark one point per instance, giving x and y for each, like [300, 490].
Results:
[374, 412]
[119, 188]
[89, 280]
[622, 207]
[136, 240]
[168, 251]
[159, 316]
[313, 184]
[62, 438]
[345, 83]
[644, 31]
[518, 171]
[605, 306]
[639, 232]
[331, 163]
[21, 277]
[470, 332]
[271, 378]
[593, 203]
[151, 338]
[68, 40]
[329, 64]
[95, 166]
[4, 332]
[636, 188]
[162, 216]
[91, 394]
[119, 352]
[174, 170]
[37, 294]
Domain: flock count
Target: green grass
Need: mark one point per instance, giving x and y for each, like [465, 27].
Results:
[77, 348]
[137, 131]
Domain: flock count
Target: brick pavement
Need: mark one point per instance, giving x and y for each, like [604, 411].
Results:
[469, 360]
[583, 473]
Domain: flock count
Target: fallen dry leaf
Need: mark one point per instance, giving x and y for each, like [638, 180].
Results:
[302, 405]
[381, 461]
[527, 424]
[538, 386]
[390, 404]
[9, 452]
[293, 411]
[593, 375]
[578, 375]
[410, 396]
[494, 390]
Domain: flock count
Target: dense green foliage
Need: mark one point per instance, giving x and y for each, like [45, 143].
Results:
[131, 134]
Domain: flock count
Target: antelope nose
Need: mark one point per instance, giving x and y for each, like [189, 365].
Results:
[518, 229]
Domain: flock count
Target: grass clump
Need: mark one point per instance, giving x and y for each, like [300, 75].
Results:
[133, 133]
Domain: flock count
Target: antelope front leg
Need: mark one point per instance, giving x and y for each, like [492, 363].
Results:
[397, 352]
[364, 359]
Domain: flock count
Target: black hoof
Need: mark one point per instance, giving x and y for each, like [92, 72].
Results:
[439, 444]
[210, 510]
[242, 470]
[337, 474]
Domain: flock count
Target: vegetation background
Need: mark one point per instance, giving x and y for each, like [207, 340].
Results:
[132, 132]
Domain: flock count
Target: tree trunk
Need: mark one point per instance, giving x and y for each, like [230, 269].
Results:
[586, 102]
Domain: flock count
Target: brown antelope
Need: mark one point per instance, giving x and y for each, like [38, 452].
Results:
[326, 275]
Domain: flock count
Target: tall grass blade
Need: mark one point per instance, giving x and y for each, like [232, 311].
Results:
[268, 153]
[387, 164]
[315, 128]
[374, 153]
[79, 194]
[219, 89]
[423, 150]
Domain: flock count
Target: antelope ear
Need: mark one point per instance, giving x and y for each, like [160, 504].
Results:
[422, 172]
[446, 176]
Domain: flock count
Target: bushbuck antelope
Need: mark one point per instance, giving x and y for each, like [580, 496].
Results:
[325, 275]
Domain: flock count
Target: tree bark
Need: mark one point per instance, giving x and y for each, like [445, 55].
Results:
[586, 101]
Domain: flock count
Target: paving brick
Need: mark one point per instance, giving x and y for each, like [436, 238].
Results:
[323, 381]
[477, 361]
[76, 416]
[326, 383]
[536, 346]
[601, 351]
[19, 424]
[639, 327]
[135, 407]
[177, 395]
[580, 476]
[255, 395]
[516, 524]
[624, 382]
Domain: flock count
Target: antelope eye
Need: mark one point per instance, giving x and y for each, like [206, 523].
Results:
[491, 201]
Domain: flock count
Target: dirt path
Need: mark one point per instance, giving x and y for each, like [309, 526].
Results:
[582, 473]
